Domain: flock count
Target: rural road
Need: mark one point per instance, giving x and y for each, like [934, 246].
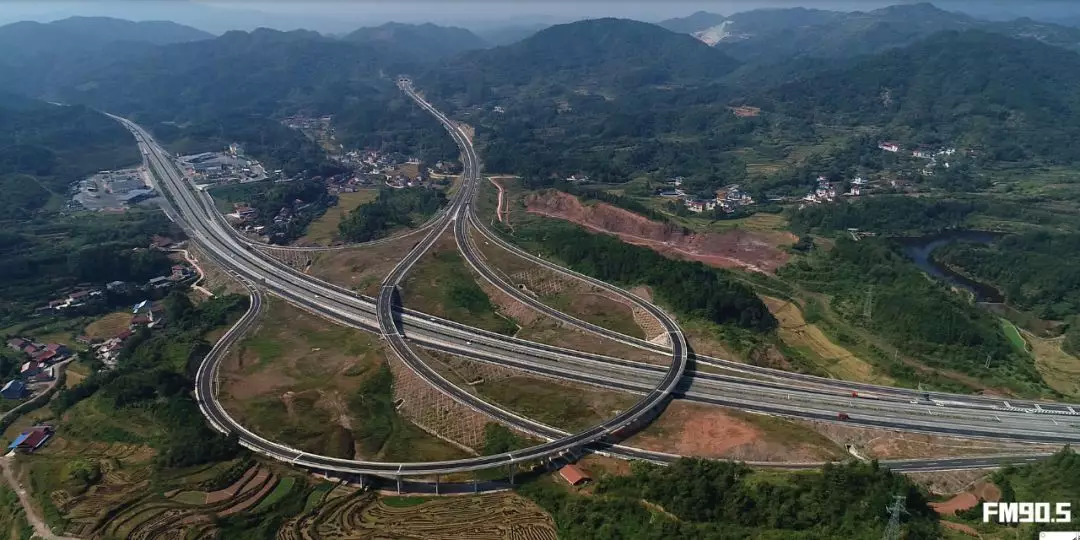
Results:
[40, 528]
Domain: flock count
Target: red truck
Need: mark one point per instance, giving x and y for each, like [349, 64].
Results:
[842, 416]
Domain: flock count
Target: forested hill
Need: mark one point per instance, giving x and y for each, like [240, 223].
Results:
[422, 42]
[602, 55]
[204, 95]
[28, 38]
[44, 148]
[775, 35]
[695, 22]
[263, 71]
[1012, 98]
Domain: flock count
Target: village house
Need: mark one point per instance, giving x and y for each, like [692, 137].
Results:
[16, 344]
[889, 146]
[574, 475]
[32, 439]
[31, 368]
[14, 389]
[698, 205]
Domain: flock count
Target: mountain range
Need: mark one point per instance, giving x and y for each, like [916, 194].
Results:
[597, 55]
[1014, 98]
[420, 41]
[774, 35]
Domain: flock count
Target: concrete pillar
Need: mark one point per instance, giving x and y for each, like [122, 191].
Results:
[436, 484]
[399, 485]
[511, 474]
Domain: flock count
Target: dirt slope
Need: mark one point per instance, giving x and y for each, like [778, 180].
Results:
[730, 249]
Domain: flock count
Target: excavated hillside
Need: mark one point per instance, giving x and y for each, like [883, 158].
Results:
[730, 249]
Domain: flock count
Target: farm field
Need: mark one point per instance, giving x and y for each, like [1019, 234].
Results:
[818, 348]
[324, 230]
[108, 325]
[366, 515]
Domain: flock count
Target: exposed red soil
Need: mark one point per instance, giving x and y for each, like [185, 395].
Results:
[690, 429]
[956, 504]
[966, 529]
[731, 249]
[745, 111]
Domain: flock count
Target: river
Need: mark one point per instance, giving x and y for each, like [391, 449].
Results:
[920, 250]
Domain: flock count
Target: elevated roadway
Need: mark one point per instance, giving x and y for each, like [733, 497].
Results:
[354, 311]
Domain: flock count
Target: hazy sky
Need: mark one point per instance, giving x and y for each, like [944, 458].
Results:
[344, 15]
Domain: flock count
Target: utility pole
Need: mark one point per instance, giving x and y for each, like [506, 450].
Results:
[892, 531]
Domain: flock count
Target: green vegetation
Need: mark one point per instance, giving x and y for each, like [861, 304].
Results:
[690, 288]
[392, 208]
[498, 439]
[404, 502]
[422, 42]
[269, 199]
[1056, 479]
[932, 101]
[1014, 336]
[13, 522]
[1037, 271]
[714, 500]
[42, 258]
[373, 405]
[266, 520]
[886, 214]
[282, 489]
[45, 148]
[443, 285]
[918, 316]
[153, 377]
[1071, 344]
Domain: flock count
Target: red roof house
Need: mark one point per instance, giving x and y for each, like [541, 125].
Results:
[574, 475]
[31, 440]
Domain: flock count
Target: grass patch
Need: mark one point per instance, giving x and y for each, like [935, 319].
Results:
[1014, 336]
[556, 404]
[191, 497]
[109, 325]
[280, 491]
[442, 285]
[599, 310]
[266, 349]
[316, 496]
[404, 502]
[1059, 369]
[816, 347]
[324, 230]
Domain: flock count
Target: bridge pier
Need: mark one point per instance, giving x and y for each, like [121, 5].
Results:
[398, 485]
[511, 473]
[475, 486]
[436, 484]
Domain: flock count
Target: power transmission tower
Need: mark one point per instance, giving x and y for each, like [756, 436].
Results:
[868, 307]
[892, 531]
[987, 365]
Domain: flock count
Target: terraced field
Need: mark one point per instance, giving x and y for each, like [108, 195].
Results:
[194, 514]
[365, 515]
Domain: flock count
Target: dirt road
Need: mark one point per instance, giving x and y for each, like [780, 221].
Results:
[41, 530]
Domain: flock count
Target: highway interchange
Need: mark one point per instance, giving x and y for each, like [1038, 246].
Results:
[738, 385]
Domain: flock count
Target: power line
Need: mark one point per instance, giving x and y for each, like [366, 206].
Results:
[892, 531]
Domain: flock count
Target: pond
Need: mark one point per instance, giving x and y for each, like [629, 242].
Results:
[920, 250]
